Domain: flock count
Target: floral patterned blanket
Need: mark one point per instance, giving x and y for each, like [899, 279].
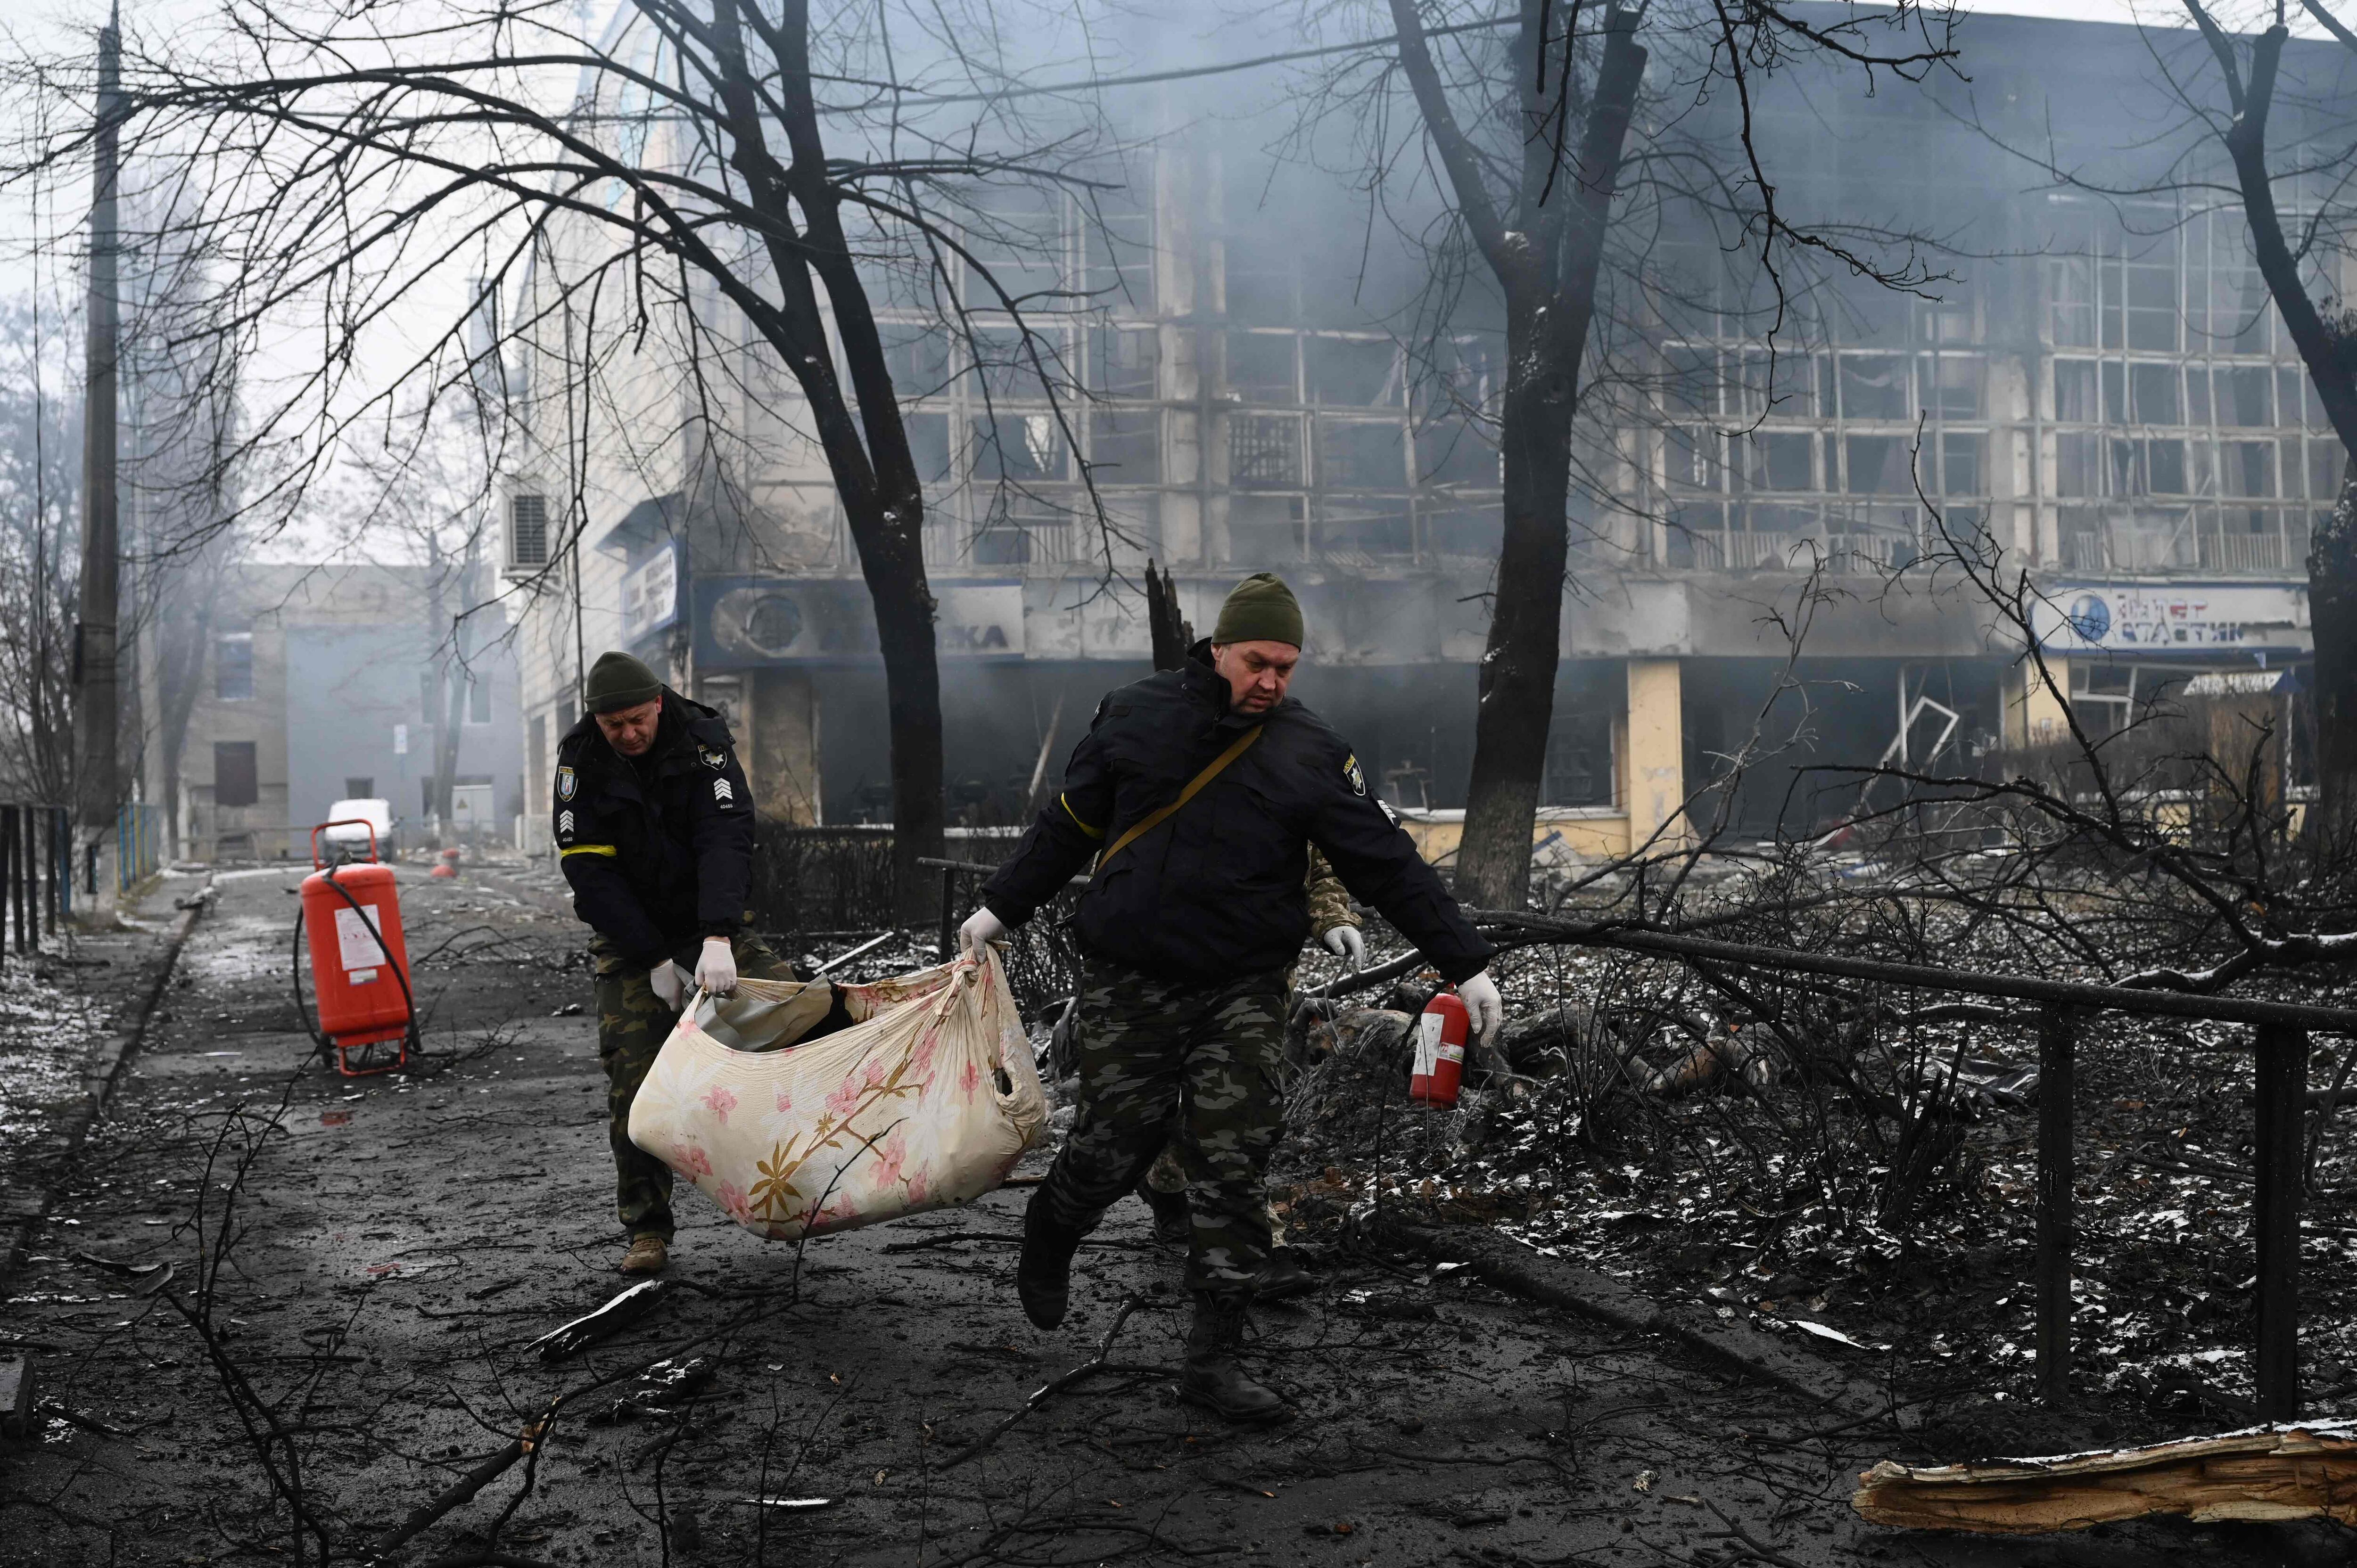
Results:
[926, 1102]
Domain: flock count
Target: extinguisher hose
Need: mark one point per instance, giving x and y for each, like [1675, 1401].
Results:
[319, 1042]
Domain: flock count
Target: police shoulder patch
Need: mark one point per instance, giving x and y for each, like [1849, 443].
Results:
[713, 757]
[565, 784]
[1350, 771]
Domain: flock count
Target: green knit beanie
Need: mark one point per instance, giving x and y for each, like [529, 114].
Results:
[618, 681]
[1260, 608]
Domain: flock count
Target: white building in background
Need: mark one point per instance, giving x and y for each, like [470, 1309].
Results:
[2108, 390]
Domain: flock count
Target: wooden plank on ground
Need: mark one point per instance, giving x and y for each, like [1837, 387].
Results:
[2262, 1474]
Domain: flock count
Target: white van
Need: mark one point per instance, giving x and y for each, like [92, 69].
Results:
[349, 839]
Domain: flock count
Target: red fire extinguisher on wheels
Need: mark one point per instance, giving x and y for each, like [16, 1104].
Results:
[1441, 1031]
[360, 964]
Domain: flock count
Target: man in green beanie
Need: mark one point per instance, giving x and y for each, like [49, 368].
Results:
[1200, 792]
[654, 830]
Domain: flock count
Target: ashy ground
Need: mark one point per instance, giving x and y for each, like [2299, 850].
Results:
[393, 1245]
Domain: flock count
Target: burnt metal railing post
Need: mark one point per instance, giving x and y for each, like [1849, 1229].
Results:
[949, 913]
[7, 872]
[20, 833]
[2282, 1105]
[2057, 1217]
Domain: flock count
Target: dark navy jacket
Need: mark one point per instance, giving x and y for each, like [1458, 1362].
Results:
[659, 848]
[1218, 891]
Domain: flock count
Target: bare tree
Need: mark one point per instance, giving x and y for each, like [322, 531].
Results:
[1536, 139]
[2250, 71]
[348, 159]
[40, 583]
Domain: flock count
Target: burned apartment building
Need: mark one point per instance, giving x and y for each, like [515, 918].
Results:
[2099, 383]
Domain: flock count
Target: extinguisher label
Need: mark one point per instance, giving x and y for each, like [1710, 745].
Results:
[1427, 1045]
[356, 946]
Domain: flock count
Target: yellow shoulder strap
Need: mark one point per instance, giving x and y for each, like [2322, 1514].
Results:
[1153, 819]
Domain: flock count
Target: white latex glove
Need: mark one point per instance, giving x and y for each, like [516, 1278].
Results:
[669, 983]
[715, 967]
[980, 926]
[1344, 941]
[1483, 1008]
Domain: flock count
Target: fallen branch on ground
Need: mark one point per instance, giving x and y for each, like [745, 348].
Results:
[1082, 1373]
[603, 1323]
[458, 1494]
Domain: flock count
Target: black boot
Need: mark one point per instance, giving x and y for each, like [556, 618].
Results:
[1283, 1277]
[1043, 1278]
[1173, 1226]
[1211, 1379]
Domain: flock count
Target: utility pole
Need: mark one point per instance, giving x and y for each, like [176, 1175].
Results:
[97, 700]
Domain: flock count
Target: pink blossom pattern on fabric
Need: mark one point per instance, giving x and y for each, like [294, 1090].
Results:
[732, 1200]
[890, 1157]
[691, 1160]
[968, 1080]
[785, 1101]
[720, 1101]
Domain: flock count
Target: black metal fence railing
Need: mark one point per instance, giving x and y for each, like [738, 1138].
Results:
[2279, 1038]
[808, 880]
[833, 882]
[37, 873]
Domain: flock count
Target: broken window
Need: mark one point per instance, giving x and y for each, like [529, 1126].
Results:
[1874, 386]
[1265, 530]
[1452, 452]
[1879, 464]
[1691, 458]
[1960, 466]
[1954, 384]
[1125, 445]
[2149, 298]
[1117, 241]
[1264, 451]
[1121, 361]
[928, 444]
[2152, 394]
[2074, 390]
[2245, 395]
[916, 353]
[1779, 461]
[1015, 244]
[1022, 447]
[2071, 300]
[2247, 468]
[2078, 463]
[1351, 371]
[1365, 527]
[1261, 366]
[1360, 455]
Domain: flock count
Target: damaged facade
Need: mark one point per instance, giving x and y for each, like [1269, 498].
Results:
[2103, 385]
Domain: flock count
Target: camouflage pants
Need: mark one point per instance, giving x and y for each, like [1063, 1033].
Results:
[632, 1023]
[1167, 1174]
[1208, 1059]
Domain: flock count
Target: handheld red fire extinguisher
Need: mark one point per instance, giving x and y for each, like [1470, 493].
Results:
[1441, 1030]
